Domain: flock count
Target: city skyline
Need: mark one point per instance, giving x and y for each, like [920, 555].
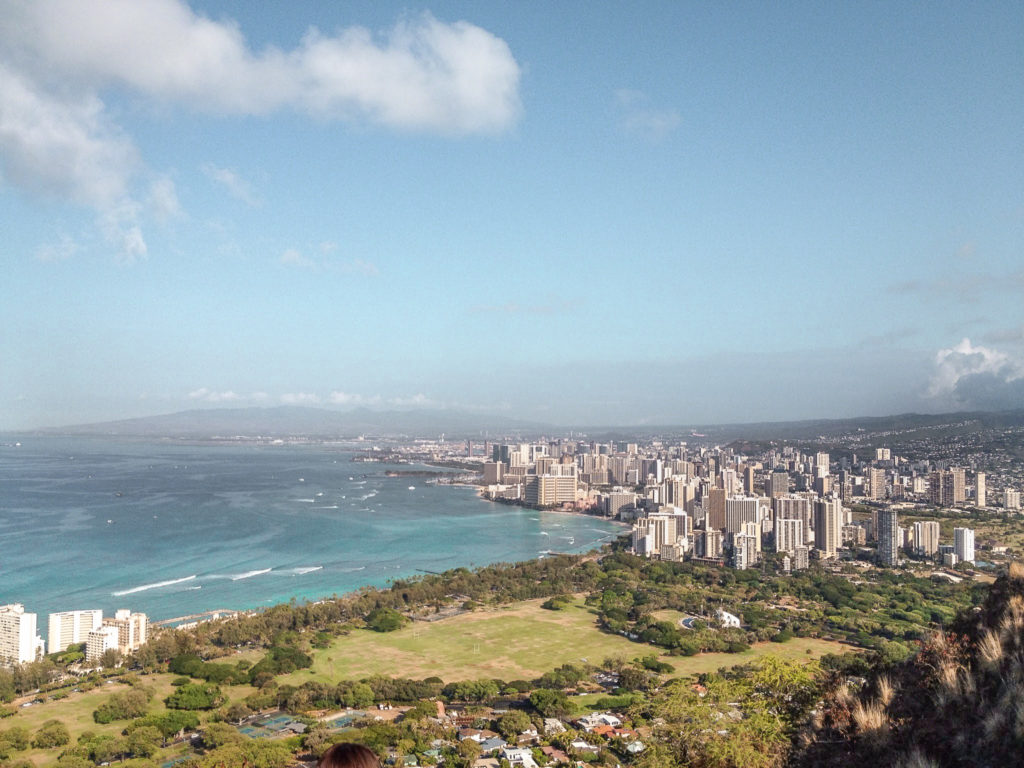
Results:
[618, 215]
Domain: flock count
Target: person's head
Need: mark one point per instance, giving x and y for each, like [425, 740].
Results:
[348, 756]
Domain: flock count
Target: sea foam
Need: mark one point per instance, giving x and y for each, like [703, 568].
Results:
[250, 574]
[158, 584]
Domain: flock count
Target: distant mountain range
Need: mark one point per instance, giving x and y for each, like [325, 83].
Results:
[299, 421]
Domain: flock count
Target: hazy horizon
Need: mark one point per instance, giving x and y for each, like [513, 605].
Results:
[572, 214]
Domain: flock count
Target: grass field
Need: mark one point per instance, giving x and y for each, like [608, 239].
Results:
[521, 641]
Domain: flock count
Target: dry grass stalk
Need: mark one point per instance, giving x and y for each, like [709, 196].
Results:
[1016, 571]
[949, 679]
[870, 720]
[917, 760]
[990, 649]
[885, 690]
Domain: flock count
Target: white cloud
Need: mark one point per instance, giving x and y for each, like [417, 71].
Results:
[300, 398]
[57, 58]
[61, 145]
[418, 400]
[293, 258]
[236, 186]
[423, 74]
[63, 249]
[350, 398]
[966, 359]
[209, 396]
[227, 396]
[636, 116]
[974, 376]
[163, 199]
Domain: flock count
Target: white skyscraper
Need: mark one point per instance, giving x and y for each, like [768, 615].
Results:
[980, 490]
[926, 537]
[963, 544]
[71, 627]
[789, 534]
[18, 641]
[828, 526]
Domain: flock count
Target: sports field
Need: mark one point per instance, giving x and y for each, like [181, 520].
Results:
[517, 642]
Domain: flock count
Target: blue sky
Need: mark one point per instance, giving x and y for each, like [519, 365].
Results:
[576, 212]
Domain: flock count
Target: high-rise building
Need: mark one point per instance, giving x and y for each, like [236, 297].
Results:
[876, 484]
[882, 454]
[748, 480]
[926, 537]
[796, 507]
[740, 510]
[71, 627]
[1011, 498]
[963, 544]
[744, 551]
[132, 629]
[821, 461]
[101, 640]
[980, 490]
[777, 483]
[617, 501]
[801, 558]
[18, 641]
[888, 537]
[948, 487]
[715, 509]
[828, 526]
[789, 534]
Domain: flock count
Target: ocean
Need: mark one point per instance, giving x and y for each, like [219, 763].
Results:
[174, 529]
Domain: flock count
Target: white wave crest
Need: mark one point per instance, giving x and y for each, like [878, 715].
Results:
[250, 574]
[158, 584]
[307, 569]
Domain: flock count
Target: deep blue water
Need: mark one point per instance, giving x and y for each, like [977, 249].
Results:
[172, 529]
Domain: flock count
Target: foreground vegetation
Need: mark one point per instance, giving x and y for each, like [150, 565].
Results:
[518, 643]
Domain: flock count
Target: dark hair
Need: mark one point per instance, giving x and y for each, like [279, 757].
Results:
[348, 756]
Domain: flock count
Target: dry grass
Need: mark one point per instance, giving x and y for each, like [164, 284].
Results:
[871, 720]
[886, 691]
[1016, 571]
[916, 760]
[990, 649]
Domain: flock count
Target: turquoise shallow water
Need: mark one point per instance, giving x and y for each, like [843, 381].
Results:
[171, 529]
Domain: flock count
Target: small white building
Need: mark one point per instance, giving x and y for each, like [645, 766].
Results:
[518, 757]
[727, 619]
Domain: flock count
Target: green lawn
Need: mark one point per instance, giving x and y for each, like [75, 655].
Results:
[521, 641]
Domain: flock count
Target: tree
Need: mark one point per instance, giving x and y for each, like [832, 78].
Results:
[550, 703]
[218, 734]
[143, 742]
[195, 696]
[513, 723]
[237, 712]
[385, 620]
[52, 733]
[110, 658]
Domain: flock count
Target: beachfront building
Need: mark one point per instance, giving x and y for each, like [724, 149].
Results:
[71, 627]
[19, 643]
[132, 629]
[99, 641]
